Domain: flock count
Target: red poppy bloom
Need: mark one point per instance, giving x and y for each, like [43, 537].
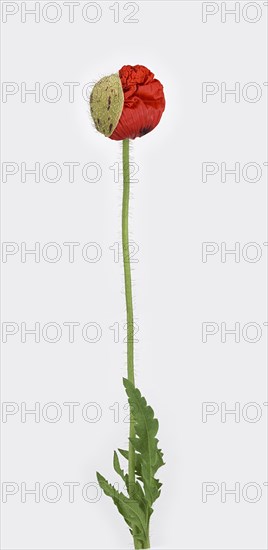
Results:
[144, 103]
[129, 104]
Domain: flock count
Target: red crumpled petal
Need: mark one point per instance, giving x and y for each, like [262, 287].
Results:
[144, 103]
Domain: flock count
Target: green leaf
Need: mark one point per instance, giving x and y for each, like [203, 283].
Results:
[136, 508]
[119, 470]
[149, 458]
[128, 508]
[137, 462]
[123, 453]
[136, 493]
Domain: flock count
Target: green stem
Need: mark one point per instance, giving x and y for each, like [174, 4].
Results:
[129, 306]
[130, 323]
[147, 542]
[127, 271]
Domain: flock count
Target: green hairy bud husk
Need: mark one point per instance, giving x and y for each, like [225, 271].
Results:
[106, 103]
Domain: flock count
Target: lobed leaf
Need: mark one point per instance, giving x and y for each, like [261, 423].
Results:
[149, 458]
[128, 508]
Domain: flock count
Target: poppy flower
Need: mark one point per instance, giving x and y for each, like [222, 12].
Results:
[127, 104]
[124, 106]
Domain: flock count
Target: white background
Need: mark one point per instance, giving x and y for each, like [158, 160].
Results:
[172, 213]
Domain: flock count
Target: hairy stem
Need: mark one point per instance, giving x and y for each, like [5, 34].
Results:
[127, 271]
[129, 305]
[130, 326]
